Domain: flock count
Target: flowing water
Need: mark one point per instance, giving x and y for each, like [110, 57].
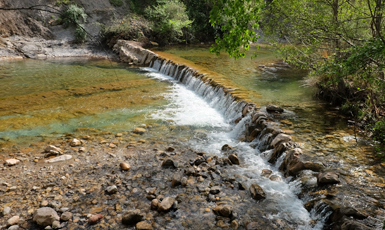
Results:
[46, 99]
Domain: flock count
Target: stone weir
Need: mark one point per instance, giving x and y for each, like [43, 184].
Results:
[260, 127]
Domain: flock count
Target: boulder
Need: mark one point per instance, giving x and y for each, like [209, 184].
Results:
[266, 172]
[166, 204]
[45, 216]
[328, 178]
[257, 192]
[132, 217]
[274, 109]
[280, 138]
[292, 163]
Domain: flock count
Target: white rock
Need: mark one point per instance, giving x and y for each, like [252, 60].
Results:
[59, 158]
[13, 220]
[53, 150]
[14, 227]
[112, 189]
[6, 210]
[45, 216]
[75, 142]
[12, 162]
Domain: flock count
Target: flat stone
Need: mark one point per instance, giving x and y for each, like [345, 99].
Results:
[59, 158]
[12, 162]
[143, 225]
[45, 216]
[274, 109]
[52, 150]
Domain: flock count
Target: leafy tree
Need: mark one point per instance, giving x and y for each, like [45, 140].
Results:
[170, 19]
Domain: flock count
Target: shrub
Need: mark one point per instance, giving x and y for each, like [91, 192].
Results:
[170, 19]
[74, 15]
[116, 3]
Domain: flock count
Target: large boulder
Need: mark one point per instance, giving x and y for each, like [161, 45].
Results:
[45, 216]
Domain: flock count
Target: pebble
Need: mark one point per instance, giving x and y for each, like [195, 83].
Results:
[143, 225]
[140, 131]
[59, 158]
[12, 162]
[94, 219]
[112, 189]
[125, 166]
[14, 227]
[75, 142]
[13, 220]
[66, 216]
[6, 210]
[166, 204]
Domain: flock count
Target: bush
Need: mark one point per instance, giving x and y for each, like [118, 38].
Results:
[170, 20]
[74, 15]
[116, 3]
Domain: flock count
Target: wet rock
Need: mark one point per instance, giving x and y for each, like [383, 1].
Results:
[314, 166]
[169, 163]
[215, 190]
[176, 179]
[353, 225]
[75, 142]
[166, 204]
[328, 178]
[266, 172]
[257, 192]
[223, 210]
[66, 216]
[45, 216]
[275, 178]
[280, 138]
[226, 147]
[140, 131]
[292, 163]
[132, 217]
[125, 166]
[94, 219]
[59, 158]
[234, 159]
[274, 109]
[52, 150]
[12, 162]
[112, 189]
[199, 160]
[248, 108]
[143, 225]
[238, 120]
[13, 220]
[353, 212]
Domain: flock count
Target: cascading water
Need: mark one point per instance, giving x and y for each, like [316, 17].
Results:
[201, 105]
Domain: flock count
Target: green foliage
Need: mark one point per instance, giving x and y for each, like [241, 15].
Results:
[116, 3]
[74, 15]
[132, 27]
[237, 20]
[62, 2]
[170, 19]
[199, 10]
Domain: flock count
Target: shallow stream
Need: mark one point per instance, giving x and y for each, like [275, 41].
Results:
[43, 100]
